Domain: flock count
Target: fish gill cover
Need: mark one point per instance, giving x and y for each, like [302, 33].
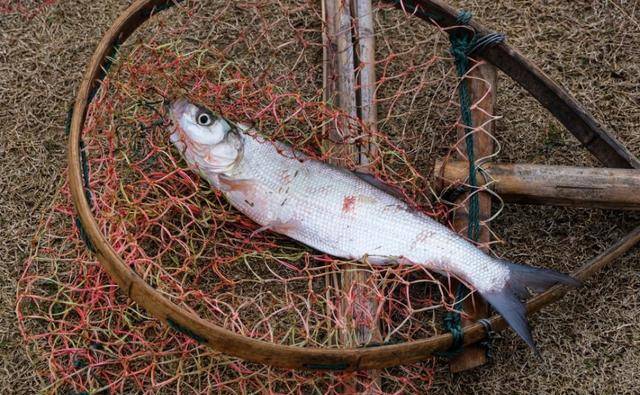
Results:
[258, 63]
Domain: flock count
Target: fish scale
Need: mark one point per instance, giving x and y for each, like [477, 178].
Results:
[375, 224]
[337, 212]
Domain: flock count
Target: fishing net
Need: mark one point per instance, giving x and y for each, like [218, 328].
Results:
[261, 64]
[26, 8]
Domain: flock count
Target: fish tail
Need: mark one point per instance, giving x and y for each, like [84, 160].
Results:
[508, 300]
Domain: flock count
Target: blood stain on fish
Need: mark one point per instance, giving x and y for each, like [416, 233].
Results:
[348, 204]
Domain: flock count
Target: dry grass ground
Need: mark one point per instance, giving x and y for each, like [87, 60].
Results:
[590, 340]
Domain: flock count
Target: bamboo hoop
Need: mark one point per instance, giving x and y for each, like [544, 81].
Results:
[550, 95]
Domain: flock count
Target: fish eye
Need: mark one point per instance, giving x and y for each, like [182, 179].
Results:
[204, 119]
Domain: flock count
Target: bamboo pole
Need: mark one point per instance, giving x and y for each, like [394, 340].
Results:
[329, 84]
[365, 324]
[484, 100]
[339, 81]
[366, 72]
[362, 325]
[329, 56]
[346, 80]
[552, 185]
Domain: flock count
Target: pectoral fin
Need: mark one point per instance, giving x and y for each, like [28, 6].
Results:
[244, 186]
[279, 226]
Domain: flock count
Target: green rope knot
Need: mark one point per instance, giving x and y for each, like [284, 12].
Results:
[464, 17]
[465, 41]
[487, 343]
[452, 322]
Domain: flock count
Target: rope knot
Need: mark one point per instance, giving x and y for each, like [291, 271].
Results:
[464, 17]
[453, 324]
[465, 42]
[459, 48]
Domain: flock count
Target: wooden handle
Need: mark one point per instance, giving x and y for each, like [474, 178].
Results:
[552, 185]
[481, 81]
[361, 325]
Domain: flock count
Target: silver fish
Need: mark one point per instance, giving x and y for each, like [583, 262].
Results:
[337, 212]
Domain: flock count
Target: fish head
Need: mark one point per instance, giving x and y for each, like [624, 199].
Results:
[204, 138]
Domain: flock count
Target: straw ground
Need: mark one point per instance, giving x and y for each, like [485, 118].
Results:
[590, 340]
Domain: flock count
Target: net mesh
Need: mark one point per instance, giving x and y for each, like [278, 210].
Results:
[257, 63]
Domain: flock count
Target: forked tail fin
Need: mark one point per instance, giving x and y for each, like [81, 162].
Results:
[508, 300]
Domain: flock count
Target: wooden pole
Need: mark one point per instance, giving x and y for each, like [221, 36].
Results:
[481, 81]
[330, 130]
[329, 56]
[347, 127]
[339, 81]
[362, 324]
[551, 185]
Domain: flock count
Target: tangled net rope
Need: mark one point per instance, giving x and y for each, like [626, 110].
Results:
[259, 64]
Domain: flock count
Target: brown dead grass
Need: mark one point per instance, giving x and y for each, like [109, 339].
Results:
[41, 63]
[589, 340]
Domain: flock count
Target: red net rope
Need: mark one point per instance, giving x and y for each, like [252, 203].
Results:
[258, 63]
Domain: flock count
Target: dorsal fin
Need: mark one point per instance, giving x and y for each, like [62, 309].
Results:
[381, 185]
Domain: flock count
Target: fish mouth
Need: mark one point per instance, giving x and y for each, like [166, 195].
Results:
[175, 110]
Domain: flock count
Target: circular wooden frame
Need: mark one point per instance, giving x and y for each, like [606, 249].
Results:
[550, 95]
